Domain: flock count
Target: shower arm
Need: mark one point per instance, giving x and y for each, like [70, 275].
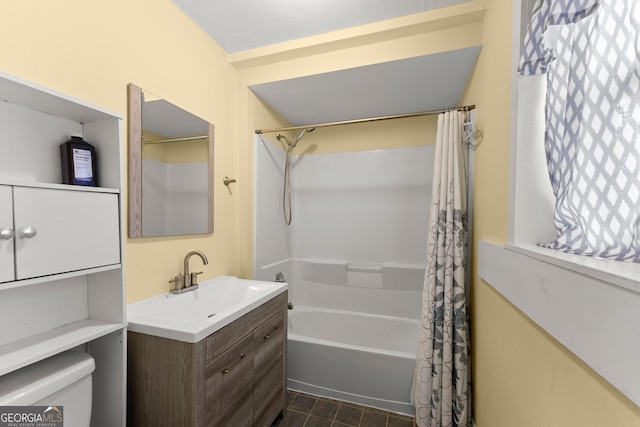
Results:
[292, 145]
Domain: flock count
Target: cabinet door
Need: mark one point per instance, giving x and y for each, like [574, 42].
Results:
[6, 244]
[229, 386]
[74, 230]
[269, 390]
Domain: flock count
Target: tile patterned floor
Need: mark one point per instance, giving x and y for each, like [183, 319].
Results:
[306, 410]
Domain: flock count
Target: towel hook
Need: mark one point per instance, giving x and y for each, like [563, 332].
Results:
[228, 181]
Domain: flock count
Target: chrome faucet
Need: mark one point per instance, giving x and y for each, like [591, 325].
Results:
[188, 281]
[191, 279]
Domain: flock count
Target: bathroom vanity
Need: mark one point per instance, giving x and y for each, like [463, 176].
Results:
[233, 376]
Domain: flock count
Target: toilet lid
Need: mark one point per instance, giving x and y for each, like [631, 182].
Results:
[39, 380]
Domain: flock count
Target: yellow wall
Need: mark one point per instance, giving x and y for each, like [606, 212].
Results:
[92, 49]
[522, 376]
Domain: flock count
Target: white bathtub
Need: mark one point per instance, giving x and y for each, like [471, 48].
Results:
[362, 358]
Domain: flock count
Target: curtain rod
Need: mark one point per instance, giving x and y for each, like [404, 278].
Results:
[189, 138]
[372, 119]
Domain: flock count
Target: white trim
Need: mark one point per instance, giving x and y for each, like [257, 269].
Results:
[610, 273]
[590, 305]
[513, 117]
[593, 319]
[530, 195]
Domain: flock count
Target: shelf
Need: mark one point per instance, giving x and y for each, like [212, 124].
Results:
[21, 353]
[18, 183]
[32, 95]
[59, 276]
[38, 120]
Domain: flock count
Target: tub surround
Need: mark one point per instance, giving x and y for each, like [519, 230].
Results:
[382, 289]
[337, 254]
[356, 357]
[353, 255]
[365, 207]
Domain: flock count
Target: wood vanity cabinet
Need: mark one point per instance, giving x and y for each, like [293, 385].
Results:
[235, 377]
[270, 340]
[229, 386]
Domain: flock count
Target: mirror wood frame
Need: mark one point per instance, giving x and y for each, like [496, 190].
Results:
[135, 102]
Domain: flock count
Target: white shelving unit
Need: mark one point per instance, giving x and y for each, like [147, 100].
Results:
[63, 288]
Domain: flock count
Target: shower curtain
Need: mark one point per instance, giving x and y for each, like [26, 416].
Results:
[442, 392]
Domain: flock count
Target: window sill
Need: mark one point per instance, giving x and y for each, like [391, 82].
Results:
[614, 273]
[591, 306]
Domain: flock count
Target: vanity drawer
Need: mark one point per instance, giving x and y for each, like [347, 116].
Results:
[229, 386]
[218, 342]
[269, 370]
[272, 329]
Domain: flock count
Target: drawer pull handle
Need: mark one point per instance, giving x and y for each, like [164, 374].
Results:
[266, 337]
[227, 370]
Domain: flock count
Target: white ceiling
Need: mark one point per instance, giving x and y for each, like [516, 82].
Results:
[239, 25]
[411, 85]
[405, 86]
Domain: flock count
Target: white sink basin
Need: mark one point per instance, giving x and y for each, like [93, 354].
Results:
[194, 315]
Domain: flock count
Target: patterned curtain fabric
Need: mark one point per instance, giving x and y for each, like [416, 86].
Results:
[442, 392]
[590, 52]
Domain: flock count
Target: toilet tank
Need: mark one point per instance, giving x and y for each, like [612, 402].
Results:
[63, 380]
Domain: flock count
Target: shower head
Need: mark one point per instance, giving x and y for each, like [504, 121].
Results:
[292, 144]
[280, 137]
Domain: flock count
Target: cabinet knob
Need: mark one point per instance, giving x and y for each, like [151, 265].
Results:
[6, 233]
[28, 232]
[266, 337]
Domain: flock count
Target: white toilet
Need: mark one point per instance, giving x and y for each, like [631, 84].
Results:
[61, 380]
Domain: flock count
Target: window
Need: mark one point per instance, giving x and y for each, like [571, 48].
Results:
[590, 305]
[597, 212]
[588, 51]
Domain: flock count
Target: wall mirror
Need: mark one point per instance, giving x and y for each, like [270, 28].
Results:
[170, 168]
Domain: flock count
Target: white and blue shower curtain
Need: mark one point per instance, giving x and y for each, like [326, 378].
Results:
[590, 50]
[442, 392]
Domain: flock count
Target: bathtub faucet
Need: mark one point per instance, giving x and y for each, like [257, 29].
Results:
[188, 281]
[280, 279]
